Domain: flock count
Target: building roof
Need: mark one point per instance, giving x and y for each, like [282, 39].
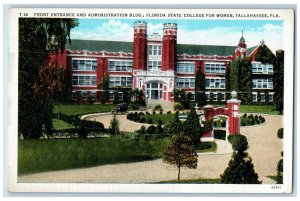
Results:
[117, 46]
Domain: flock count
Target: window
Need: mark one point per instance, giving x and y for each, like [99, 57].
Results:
[259, 68]
[271, 96]
[154, 50]
[263, 83]
[215, 68]
[222, 96]
[83, 80]
[187, 67]
[193, 97]
[83, 95]
[185, 83]
[74, 95]
[214, 97]
[262, 97]
[93, 94]
[207, 95]
[254, 97]
[111, 96]
[215, 83]
[120, 65]
[154, 65]
[84, 64]
[120, 81]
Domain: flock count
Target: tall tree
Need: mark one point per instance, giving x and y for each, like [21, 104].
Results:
[104, 86]
[38, 37]
[181, 153]
[279, 80]
[234, 75]
[200, 88]
[240, 169]
[245, 80]
[174, 126]
[192, 127]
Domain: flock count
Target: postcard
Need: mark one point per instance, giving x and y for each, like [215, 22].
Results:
[151, 100]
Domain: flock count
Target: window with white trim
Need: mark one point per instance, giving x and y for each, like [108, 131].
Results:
[259, 68]
[215, 68]
[262, 83]
[120, 96]
[207, 96]
[193, 97]
[154, 50]
[262, 97]
[111, 96]
[215, 83]
[120, 81]
[185, 83]
[93, 94]
[186, 67]
[84, 64]
[83, 95]
[214, 97]
[120, 65]
[271, 96]
[154, 65]
[254, 96]
[84, 80]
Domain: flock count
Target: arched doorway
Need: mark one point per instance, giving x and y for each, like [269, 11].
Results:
[154, 90]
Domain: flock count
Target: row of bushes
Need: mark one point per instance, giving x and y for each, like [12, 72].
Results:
[252, 120]
[151, 130]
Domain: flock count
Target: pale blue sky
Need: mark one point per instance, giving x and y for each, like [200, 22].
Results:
[211, 32]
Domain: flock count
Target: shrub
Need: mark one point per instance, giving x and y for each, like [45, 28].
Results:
[141, 114]
[279, 176]
[160, 111]
[114, 128]
[159, 129]
[245, 115]
[223, 123]
[280, 133]
[157, 108]
[150, 121]
[153, 112]
[243, 123]
[151, 130]
[159, 122]
[178, 107]
[262, 120]
[142, 130]
[82, 132]
[142, 120]
[169, 112]
[220, 134]
[147, 113]
[204, 145]
[257, 121]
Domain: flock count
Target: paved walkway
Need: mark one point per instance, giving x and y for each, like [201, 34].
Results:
[264, 149]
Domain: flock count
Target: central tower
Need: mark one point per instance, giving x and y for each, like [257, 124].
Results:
[169, 47]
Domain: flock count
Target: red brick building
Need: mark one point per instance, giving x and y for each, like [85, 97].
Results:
[157, 65]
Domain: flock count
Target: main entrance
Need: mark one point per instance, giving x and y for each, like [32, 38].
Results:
[154, 90]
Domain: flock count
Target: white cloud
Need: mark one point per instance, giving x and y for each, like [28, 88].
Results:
[116, 30]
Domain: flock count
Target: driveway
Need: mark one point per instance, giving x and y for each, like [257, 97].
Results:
[264, 149]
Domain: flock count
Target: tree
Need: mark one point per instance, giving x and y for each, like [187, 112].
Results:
[234, 75]
[104, 86]
[240, 169]
[38, 38]
[245, 80]
[200, 88]
[114, 128]
[174, 126]
[47, 89]
[279, 80]
[181, 153]
[192, 127]
[279, 176]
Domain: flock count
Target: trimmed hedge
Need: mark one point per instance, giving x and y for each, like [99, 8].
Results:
[220, 134]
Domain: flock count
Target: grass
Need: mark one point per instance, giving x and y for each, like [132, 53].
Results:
[61, 125]
[212, 148]
[263, 109]
[194, 181]
[83, 109]
[273, 177]
[164, 117]
[48, 155]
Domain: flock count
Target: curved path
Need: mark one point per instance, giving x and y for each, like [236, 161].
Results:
[264, 149]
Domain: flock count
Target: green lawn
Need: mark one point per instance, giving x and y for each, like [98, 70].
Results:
[61, 125]
[263, 109]
[194, 181]
[164, 117]
[213, 148]
[82, 109]
[47, 155]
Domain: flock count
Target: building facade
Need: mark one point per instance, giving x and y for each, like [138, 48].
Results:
[156, 65]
